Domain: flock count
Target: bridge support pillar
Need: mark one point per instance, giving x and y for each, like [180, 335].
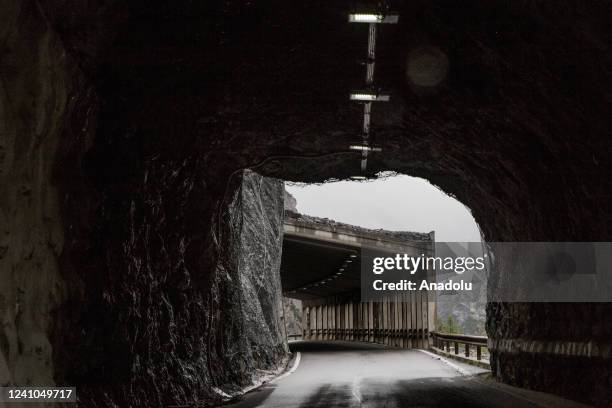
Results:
[404, 320]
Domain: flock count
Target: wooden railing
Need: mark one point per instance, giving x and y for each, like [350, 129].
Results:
[404, 338]
[446, 341]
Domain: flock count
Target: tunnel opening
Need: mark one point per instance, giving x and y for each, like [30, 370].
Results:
[386, 204]
[504, 319]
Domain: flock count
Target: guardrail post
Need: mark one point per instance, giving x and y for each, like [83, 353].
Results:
[446, 341]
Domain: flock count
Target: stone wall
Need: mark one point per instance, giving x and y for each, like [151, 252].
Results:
[182, 306]
[111, 275]
[44, 101]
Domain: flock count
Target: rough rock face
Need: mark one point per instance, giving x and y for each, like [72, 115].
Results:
[124, 122]
[188, 309]
[137, 305]
[256, 340]
[290, 202]
[293, 316]
[141, 284]
[44, 101]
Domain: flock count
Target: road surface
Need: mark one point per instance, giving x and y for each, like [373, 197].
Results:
[347, 375]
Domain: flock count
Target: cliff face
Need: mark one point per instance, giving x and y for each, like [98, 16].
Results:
[290, 202]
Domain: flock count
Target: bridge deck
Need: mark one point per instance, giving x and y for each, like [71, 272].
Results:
[321, 256]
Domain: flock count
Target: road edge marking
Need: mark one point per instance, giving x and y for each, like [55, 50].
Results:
[462, 371]
[296, 363]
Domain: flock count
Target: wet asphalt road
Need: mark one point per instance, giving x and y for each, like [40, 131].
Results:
[332, 374]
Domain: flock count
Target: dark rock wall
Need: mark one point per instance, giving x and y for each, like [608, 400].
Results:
[132, 279]
[45, 105]
[180, 302]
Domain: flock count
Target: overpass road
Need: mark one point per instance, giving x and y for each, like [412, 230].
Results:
[342, 374]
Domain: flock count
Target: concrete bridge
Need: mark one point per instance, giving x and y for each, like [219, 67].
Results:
[321, 266]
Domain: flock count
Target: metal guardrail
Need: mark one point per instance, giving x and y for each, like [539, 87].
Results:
[406, 338]
[443, 341]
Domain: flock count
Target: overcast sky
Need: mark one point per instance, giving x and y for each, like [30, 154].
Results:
[400, 203]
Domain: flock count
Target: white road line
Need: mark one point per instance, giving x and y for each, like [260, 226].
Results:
[296, 363]
[445, 361]
[355, 389]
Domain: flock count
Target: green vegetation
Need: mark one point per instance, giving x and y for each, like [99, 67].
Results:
[450, 326]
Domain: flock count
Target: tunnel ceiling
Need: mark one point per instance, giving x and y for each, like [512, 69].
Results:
[517, 129]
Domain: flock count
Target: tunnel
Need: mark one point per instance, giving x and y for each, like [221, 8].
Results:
[329, 284]
[143, 146]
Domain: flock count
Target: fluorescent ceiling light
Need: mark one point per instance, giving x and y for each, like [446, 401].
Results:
[365, 148]
[373, 18]
[363, 97]
[368, 97]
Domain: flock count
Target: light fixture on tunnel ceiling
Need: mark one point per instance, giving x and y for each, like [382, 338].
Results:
[353, 255]
[373, 18]
[367, 96]
[365, 148]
